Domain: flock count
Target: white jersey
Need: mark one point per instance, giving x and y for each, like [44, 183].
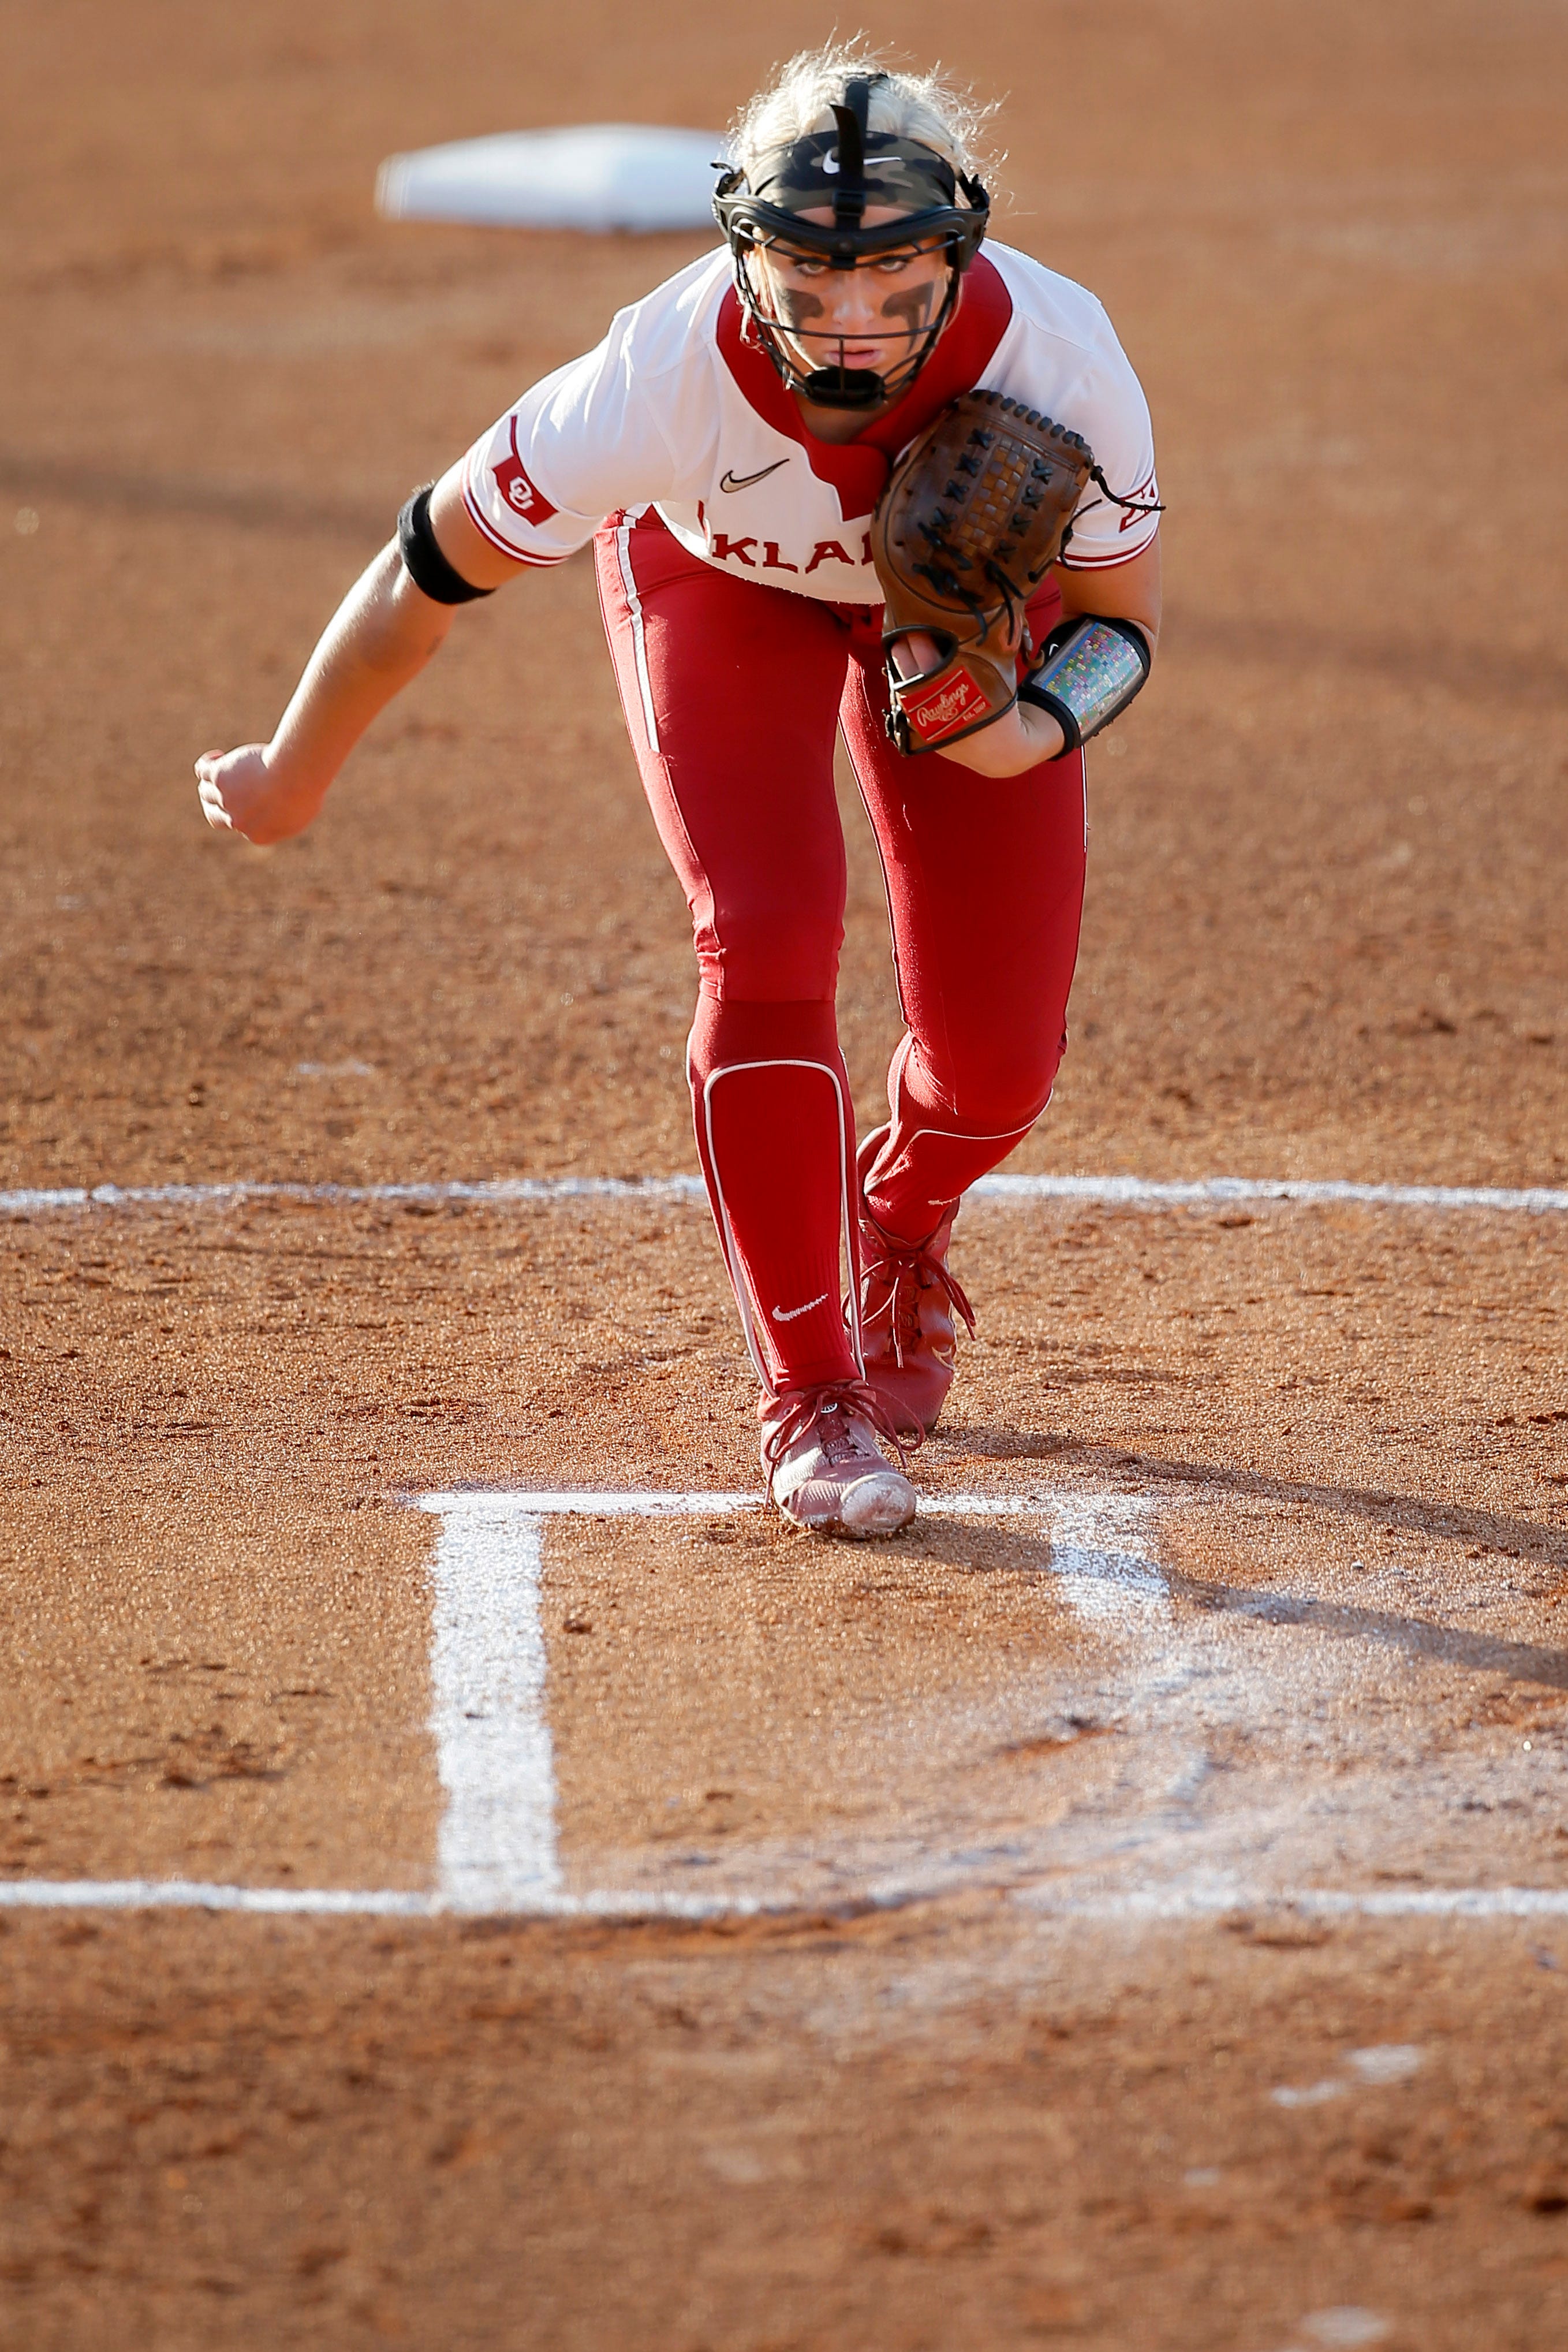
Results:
[680, 409]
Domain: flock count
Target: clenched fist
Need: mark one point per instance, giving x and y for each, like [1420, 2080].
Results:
[241, 792]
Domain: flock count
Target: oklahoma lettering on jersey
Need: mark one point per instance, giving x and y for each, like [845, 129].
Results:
[720, 548]
[680, 409]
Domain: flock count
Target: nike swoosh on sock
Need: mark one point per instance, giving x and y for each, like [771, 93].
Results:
[793, 1314]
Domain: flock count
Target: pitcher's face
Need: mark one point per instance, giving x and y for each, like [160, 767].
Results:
[871, 317]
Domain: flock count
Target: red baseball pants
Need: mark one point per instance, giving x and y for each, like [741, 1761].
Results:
[732, 692]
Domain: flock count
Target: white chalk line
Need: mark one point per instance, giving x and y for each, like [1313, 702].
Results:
[1161, 1905]
[1126, 1191]
[497, 1845]
[1156, 1905]
[498, 1851]
[497, 1854]
[518, 1190]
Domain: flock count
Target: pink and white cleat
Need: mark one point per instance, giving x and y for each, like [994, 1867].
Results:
[909, 1308]
[825, 1469]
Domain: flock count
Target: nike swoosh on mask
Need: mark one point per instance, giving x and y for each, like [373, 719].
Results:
[728, 482]
[793, 1314]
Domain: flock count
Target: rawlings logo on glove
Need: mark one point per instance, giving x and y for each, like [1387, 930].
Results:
[975, 513]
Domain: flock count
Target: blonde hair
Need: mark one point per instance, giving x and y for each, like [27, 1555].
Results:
[926, 108]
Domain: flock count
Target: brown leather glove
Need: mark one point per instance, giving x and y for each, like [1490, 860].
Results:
[975, 513]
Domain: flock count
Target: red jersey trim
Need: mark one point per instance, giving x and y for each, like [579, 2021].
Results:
[1109, 562]
[858, 470]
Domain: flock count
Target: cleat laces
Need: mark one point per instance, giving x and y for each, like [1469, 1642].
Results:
[846, 1401]
[908, 1268]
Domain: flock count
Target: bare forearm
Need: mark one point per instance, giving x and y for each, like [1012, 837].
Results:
[1130, 592]
[381, 637]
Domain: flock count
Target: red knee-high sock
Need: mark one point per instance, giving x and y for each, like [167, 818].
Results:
[920, 1165]
[776, 1137]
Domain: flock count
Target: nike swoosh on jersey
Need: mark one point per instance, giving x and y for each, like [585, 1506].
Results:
[728, 482]
[793, 1314]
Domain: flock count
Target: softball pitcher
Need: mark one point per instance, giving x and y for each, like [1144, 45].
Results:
[857, 469]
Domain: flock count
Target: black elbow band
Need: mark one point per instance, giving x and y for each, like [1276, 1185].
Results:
[1088, 672]
[422, 560]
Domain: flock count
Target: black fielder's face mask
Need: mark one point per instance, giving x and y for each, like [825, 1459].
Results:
[850, 200]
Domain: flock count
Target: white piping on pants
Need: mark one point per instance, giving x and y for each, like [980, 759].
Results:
[726, 1232]
[639, 643]
[877, 1172]
[1011, 1138]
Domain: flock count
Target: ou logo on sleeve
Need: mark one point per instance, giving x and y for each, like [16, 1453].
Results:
[522, 496]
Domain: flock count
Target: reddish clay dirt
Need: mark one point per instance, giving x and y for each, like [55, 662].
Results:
[1324, 940]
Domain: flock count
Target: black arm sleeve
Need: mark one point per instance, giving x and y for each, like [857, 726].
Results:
[422, 560]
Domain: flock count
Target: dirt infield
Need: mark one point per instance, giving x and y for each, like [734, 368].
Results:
[1130, 1912]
